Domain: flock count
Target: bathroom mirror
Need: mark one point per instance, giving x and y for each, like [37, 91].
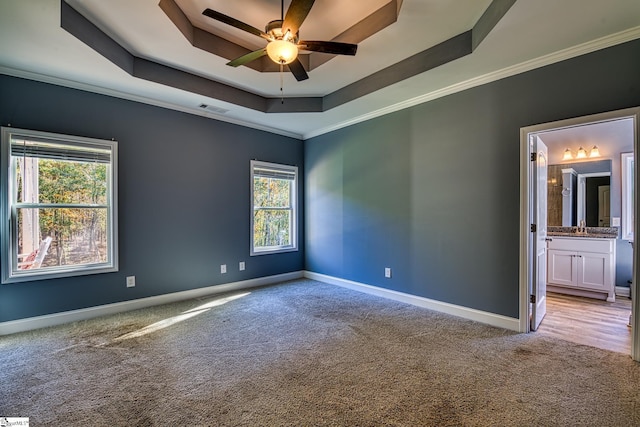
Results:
[578, 191]
[594, 199]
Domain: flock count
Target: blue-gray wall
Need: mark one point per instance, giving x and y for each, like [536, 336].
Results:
[433, 191]
[184, 196]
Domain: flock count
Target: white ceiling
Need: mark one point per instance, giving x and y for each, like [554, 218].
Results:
[532, 33]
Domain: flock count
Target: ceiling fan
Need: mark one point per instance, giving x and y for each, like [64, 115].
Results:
[282, 35]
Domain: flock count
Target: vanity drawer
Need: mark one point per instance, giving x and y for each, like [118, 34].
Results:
[581, 244]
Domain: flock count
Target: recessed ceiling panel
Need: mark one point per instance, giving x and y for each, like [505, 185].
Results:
[144, 29]
[327, 18]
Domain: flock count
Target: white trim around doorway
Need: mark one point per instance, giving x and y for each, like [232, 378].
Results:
[525, 216]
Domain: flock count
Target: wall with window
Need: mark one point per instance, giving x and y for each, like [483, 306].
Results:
[183, 197]
[58, 202]
[433, 191]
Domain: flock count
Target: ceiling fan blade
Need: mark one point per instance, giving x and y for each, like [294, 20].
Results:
[336, 48]
[296, 14]
[251, 56]
[298, 70]
[235, 23]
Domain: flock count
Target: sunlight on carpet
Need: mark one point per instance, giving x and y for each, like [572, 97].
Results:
[179, 318]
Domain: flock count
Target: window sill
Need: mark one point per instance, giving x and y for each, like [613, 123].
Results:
[35, 275]
[273, 251]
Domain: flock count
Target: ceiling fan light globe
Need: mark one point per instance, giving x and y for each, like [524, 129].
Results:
[282, 51]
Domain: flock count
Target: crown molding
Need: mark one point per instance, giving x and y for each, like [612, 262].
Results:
[58, 81]
[562, 55]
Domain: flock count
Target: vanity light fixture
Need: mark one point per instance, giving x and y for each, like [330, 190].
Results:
[582, 153]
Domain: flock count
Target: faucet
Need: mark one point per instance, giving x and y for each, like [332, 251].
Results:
[582, 229]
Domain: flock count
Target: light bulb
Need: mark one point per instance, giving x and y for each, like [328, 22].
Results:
[567, 155]
[582, 154]
[594, 152]
[282, 51]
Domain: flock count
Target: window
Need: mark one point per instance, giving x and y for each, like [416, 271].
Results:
[58, 200]
[273, 198]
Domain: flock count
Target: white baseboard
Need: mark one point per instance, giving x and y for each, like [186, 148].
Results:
[623, 291]
[21, 325]
[443, 307]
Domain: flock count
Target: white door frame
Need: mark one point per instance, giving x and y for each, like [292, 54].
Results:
[526, 186]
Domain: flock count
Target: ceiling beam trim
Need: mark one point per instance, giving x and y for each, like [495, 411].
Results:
[179, 19]
[85, 31]
[295, 105]
[447, 51]
[364, 29]
[489, 19]
[168, 76]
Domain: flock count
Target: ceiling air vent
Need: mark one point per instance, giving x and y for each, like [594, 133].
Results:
[213, 109]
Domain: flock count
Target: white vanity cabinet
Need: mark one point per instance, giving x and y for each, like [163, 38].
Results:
[582, 266]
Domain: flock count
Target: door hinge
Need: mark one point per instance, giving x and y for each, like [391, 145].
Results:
[534, 228]
[534, 157]
[532, 299]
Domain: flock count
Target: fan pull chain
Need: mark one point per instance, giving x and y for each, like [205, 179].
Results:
[281, 84]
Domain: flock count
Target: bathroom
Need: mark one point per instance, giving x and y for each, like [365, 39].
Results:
[589, 187]
[589, 221]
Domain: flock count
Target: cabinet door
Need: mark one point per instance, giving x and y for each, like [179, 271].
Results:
[562, 269]
[594, 271]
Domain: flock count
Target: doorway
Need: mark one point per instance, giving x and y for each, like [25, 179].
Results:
[533, 299]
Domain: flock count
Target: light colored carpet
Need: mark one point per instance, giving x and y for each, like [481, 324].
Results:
[307, 353]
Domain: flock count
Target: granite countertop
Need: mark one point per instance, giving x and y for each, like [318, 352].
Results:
[592, 232]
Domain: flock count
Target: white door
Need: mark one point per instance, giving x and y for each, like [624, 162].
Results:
[539, 282]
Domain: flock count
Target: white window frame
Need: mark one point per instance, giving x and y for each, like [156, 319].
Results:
[275, 168]
[8, 209]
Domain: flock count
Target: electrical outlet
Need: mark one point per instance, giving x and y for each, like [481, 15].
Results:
[241, 265]
[223, 268]
[615, 221]
[131, 281]
[387, 272]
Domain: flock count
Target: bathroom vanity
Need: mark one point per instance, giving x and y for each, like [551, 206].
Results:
[582, 265]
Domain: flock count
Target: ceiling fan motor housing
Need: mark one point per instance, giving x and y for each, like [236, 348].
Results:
[283, 48]
[274, 29]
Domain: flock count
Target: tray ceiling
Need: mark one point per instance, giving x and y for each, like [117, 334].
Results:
[531, 33]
